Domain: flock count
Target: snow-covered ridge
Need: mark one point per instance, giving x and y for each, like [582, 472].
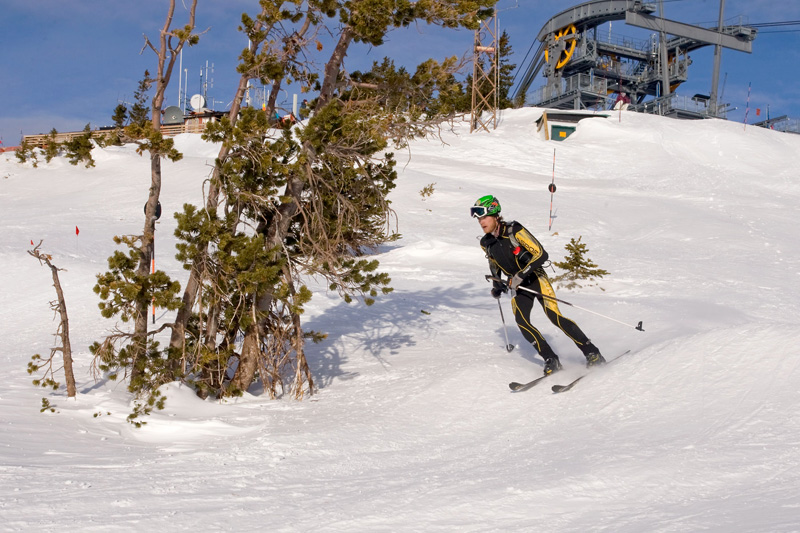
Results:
[414, 428]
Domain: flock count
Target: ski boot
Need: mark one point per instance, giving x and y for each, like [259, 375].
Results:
[593, 356]
[551, 366]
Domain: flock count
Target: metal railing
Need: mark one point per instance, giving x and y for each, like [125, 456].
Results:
[664, 105]
[615, 39]
[788, 125]
[572, 85]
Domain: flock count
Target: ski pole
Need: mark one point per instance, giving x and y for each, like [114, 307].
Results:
[636, 327]
[509, 346]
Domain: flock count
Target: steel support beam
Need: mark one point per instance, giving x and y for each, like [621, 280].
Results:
[592, 14]
[717, 60]
[687, 30]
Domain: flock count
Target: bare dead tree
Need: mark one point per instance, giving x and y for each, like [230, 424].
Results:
[59, 306]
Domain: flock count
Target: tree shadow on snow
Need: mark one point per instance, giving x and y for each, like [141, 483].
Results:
[380, 330]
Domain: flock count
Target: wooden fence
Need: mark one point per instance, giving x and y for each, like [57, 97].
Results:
[41, 140]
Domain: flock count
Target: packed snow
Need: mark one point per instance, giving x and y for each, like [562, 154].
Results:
[414, 427]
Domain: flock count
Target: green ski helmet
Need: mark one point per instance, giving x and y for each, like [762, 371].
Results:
[485, 205]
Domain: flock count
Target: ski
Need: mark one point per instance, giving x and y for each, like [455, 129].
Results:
[568, 386]
[519, 387]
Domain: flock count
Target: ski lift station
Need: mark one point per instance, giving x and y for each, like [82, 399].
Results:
[585, 67]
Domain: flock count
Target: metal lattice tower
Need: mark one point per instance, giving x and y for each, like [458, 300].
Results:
[485, 76]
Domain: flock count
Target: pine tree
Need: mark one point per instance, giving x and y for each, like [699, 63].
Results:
[281, 204]
[51, 147]
[506, 71]
[119, 118]
[26, 153]
[140, 111]
[79, 148]
[577, 266]
[284, 204]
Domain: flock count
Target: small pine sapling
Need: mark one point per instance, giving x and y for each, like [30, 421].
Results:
[79, 148]
[47, 406]
[52, 147]
[26, 152]
[577, 267]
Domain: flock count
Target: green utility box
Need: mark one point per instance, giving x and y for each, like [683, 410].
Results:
[559, 133]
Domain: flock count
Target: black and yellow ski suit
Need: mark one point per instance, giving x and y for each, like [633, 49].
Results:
[515, 251]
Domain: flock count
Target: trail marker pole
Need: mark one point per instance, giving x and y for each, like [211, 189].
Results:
[153, 271]
[747, 108]
[153, 252]
[552, 189]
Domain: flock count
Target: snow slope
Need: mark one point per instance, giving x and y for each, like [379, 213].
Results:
[414, 428]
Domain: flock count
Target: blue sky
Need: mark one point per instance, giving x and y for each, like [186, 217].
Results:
[66, 64]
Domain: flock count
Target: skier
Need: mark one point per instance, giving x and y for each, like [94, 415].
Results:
[513, 251]
[622, 102]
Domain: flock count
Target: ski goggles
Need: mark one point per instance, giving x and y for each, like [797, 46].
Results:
[478, 211]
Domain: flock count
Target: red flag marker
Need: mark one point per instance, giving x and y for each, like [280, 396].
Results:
[77, 231]
[31, 242]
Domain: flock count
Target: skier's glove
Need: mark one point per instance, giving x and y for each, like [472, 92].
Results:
[515, 282]
[498, 291]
